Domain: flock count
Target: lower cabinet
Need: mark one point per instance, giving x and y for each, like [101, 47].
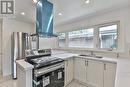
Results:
[109, 74]
[80, 70]
[69, 66]
[95, 73]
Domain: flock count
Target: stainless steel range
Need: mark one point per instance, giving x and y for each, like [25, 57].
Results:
[48, 71]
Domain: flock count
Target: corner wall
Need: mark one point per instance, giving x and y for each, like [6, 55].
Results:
[8, 27]
[0, 46]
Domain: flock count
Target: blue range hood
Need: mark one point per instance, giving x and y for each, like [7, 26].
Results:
[44, 17]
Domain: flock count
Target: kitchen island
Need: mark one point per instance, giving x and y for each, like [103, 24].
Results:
[24, 74]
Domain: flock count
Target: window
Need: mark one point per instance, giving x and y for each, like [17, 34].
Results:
[81, 38]
[103, 36]
[62, 39]
[108, 37]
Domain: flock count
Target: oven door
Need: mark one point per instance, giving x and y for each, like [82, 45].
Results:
[52, 79]
[43, 80]
[57, 78]
[52, 76]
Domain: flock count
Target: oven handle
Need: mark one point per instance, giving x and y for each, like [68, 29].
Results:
[48, 69]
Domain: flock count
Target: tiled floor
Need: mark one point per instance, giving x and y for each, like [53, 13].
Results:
[75, 84]
[13, 83]
[9, 83]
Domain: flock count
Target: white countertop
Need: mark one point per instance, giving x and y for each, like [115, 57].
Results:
[67, 56]
[24, 65]
[104, 59]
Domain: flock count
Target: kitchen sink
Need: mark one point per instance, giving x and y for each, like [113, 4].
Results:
[91, 56]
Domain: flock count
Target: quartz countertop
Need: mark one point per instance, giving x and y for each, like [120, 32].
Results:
[104, 59]
[66, 56]
[24, 65]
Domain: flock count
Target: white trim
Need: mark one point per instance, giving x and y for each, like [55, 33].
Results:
[118, 36]
[96, 38]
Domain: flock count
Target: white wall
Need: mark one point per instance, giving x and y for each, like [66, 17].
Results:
[0, 46]
[9, 26]
[121, 15]
[47, 43]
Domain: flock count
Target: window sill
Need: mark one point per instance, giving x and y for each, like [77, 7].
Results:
[88, 49]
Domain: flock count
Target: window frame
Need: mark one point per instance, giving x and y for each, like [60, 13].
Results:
[58, 40]
[96, 43]
[98, 38]
[82, 29]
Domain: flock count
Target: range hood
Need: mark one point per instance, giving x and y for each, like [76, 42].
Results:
[44, 17]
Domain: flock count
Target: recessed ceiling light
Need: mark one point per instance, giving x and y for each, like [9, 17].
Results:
[60, 14]
[35, 1]
[87, 1]
[23, 13]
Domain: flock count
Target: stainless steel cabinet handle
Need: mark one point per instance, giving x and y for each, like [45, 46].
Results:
[67, 63]
[104, 66]
[87, 62]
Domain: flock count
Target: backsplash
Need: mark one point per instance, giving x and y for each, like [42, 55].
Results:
[98, 53]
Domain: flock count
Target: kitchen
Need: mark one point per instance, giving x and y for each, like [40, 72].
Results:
[83, 55]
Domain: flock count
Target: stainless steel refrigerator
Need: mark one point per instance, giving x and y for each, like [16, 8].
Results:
[20, 42]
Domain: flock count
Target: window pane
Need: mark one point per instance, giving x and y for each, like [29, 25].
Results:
[81, 38]
[108, 37]
[61, 39]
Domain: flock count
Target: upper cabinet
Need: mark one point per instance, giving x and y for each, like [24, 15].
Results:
[44, 18]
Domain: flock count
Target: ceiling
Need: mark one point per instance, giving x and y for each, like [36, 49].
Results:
[71, 9]
[26, 6]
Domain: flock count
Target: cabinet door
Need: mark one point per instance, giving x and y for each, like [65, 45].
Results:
[95, 73]
[109, 74]
[80, 70]
[68, 71]
[0, 48]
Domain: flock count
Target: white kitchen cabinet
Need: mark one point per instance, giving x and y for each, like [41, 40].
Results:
[80, 70]
[24, 73]
[69, 66]
[95, 73]
[0, 37]
[109, 74]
